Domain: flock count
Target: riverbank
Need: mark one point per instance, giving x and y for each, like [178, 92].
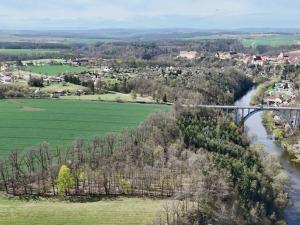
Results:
[287, 139]
[260, 137]
[279, 93]
[258, 97]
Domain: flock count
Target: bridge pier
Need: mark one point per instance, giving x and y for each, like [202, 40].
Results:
[242, 113]
[226, 114]
[236, 116]
[297, 119]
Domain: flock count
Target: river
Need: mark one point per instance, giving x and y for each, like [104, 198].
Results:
[255, 128]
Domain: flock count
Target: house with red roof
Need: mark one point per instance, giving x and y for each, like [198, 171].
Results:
[257, 60]
[272, 100]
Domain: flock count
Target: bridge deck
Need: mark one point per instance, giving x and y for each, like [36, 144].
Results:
[290, 114]
[244, 107]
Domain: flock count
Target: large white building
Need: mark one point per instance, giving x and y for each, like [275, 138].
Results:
[188, 54]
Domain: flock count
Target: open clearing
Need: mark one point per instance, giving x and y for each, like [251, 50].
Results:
[119, 211]
[254, 40]
[26, 123]
[55, 70]
[64, 87]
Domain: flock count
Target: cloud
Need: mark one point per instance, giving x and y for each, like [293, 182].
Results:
[149, 13]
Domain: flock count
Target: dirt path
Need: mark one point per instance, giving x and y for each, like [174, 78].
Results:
[24, 106]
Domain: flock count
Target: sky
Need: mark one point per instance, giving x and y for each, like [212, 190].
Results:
[199, 14]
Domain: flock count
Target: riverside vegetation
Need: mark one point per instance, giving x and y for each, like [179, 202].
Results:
[286, 137]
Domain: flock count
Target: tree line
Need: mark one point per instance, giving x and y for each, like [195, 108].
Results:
[196, 158]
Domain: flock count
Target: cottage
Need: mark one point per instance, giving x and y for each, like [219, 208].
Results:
[257, 60]
[58, 93]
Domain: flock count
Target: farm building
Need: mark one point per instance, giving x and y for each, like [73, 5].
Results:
[54, 80]
[81, 62]
[5, 79]
[188, 54]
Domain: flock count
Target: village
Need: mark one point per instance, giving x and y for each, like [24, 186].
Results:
[281, 94]
[82, 76]
[68, 77]
[248, 59]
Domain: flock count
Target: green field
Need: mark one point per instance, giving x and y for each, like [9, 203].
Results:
[271, 40]
[55, 70]
[120, 211]
[25, 123]
[253, 40]
[56, 40]
[16, 52]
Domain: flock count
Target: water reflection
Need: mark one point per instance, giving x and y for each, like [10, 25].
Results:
[255, 128]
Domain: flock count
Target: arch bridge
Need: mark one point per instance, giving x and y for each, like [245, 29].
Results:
[241, 113]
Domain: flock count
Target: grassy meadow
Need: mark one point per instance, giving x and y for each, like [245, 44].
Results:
[119, 211]
[26, 123]
[55, 70]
